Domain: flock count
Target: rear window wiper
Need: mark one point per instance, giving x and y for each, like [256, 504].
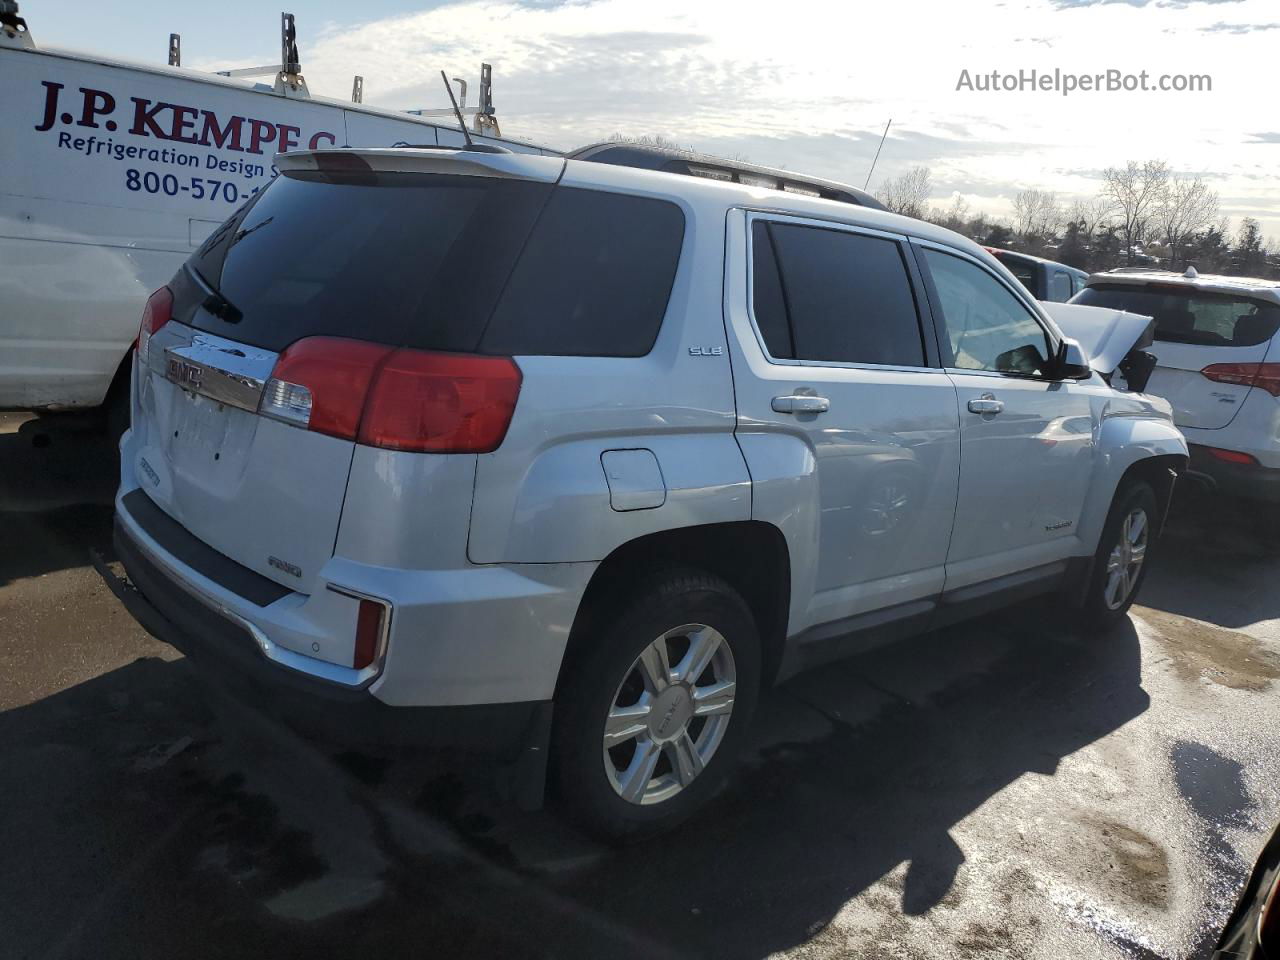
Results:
[214, 301]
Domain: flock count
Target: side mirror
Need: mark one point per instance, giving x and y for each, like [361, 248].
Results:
[1071, 363]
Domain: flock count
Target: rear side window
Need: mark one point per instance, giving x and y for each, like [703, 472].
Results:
[594, 278]
[842, 297]
[767, 303]
[1184, 316]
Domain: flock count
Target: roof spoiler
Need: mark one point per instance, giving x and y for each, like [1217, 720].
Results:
[355, 164]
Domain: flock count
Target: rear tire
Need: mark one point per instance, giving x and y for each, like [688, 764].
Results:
[1123, 556]
[674, 720]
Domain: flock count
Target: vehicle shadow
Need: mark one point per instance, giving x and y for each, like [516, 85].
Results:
[1216, 562]
[150, 826]
[58, 476]
[919, 735]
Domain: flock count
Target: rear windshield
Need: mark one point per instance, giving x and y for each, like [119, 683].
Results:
[436, 262]
[1184, 316]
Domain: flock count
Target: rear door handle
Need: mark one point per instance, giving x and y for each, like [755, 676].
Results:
[801, 403]
[987, 405]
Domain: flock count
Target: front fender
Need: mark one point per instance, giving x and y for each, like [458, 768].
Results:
[1130, 431]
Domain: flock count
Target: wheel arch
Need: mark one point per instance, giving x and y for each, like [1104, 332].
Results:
[750, 555]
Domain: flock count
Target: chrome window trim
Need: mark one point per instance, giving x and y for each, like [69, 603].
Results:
[899, 238]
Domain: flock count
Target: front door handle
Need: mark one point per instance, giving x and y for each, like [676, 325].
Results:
[987, 405]
[801, 403]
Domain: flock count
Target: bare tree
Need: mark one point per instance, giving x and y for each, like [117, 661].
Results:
[1185, 208]
[1036, 214]
[1089, 215]
[955, 217]
[1135, 190]
[907, 194]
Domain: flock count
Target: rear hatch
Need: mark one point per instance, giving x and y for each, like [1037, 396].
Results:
[348, 273]
[1208, 345]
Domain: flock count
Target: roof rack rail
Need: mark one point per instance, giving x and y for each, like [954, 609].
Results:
[693, 164]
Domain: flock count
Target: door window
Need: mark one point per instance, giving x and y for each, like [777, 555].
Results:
[835, 296]
[987, 327]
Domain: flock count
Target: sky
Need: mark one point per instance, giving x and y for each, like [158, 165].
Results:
[804, 85]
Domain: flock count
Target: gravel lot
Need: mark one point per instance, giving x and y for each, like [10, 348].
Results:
[1005, 788]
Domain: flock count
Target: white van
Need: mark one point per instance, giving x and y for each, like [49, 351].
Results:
[114, 173]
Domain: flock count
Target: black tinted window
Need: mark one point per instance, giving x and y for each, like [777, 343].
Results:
[1184, 316]
[410, 260]
[767, 303]
[1025, 270]
[848, 297]
[594, 279]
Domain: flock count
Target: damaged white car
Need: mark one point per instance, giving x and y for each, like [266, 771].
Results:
[572, 457]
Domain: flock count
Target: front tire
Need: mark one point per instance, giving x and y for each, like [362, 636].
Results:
[652, 712]
[1123, 555]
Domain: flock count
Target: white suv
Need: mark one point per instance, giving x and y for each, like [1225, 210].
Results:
[1218, 365]
[573, 458]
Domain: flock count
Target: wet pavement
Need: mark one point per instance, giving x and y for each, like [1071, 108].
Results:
[1009, 787]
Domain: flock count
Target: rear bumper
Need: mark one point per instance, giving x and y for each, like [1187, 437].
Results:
[1246, 481]
[219, 645]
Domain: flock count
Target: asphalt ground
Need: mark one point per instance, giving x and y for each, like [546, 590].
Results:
[1010, 787]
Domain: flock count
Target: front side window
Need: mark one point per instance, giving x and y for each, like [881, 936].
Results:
[987, 327]
[834, 296]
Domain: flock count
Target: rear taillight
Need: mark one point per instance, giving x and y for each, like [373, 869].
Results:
[157, 312]
[321, 383]
[441, 403]
[1231, 456]
[1264, 376]
[398, 399]
[368, 633]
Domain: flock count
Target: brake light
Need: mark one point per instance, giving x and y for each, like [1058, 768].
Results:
[441, 403]
[368, 633]
[1264, 376]
[321, 383]
[1231, 456]
[397, 399]
[157, 312]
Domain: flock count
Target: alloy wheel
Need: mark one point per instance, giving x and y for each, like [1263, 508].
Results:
[1126, 559]
[670, 714]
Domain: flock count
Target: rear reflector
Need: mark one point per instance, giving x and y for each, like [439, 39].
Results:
[368, 633]
[397, 399]
[155, 314]
[1264, 376]
[1231, 456]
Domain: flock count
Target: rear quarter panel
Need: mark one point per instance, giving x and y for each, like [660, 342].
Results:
[543, 496]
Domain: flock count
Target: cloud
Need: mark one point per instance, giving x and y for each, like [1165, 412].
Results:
[1236, 28]
[1173, 4]
[1273, 137]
